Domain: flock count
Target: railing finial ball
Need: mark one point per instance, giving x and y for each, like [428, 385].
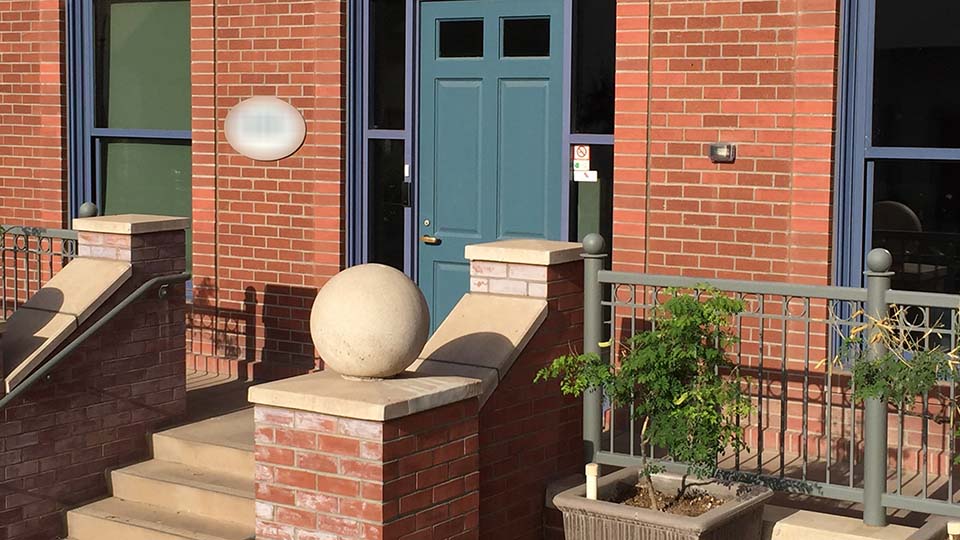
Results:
[87, 210]
[593, 244]
[879, 260]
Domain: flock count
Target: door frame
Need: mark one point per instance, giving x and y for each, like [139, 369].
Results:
[359, 133]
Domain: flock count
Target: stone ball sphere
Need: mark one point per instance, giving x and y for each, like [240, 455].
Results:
[369, 322]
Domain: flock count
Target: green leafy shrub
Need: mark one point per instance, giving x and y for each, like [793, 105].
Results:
[675, 378]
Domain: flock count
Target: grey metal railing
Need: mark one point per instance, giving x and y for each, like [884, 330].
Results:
[29, 257]
[806, 433]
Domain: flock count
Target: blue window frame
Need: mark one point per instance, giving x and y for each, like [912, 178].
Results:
[898, 151]
[89, 136]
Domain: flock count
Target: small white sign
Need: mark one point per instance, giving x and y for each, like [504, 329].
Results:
[581, 164]
[584, 176]
[265, 128]
[581, 151]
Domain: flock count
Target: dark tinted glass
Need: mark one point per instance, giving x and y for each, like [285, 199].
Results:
[594, 200]
[526, 37]
[386, 203]
[594, 56]
[146, 177]
[387, 63]
[461, 39]
[142, 64]
[916, 74]
[916, 215]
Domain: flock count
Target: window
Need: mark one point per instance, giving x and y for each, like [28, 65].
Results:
[903, 191]
[526, 37]
[461, 39]
[591, 113]
[130, 106]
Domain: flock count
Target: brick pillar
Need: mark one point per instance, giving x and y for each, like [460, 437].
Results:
[155, 245]
[372, 460]
[95, 410]
[531, 434]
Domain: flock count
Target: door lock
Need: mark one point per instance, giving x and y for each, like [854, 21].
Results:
[430, 240]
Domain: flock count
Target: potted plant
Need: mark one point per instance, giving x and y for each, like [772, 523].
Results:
[681, 387]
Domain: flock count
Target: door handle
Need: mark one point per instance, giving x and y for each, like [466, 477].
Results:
[430, 240]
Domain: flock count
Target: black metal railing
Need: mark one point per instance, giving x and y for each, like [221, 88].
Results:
[29, 257]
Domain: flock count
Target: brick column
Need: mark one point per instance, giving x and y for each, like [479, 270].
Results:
[155, 245]
[531, 434]
[373, 460]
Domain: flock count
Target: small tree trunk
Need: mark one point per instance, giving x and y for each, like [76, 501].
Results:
[648, 483]
[645, 478]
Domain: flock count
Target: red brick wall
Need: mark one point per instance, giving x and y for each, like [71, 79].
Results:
[32, 113]
[758, 73]
[412, 478]
[97, 408]
[530, 434]
[266, 235]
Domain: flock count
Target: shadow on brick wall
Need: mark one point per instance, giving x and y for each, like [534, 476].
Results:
[268, 337]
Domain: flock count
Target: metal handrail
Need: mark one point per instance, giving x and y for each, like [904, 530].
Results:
[160, 281]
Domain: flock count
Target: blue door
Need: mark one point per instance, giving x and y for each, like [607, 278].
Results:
[491, 105]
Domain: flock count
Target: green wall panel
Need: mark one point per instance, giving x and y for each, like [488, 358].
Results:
[146, 178]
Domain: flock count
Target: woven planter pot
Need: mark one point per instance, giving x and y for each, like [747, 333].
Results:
[740, 518]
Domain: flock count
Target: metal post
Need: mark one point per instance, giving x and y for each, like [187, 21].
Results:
[593, 256]
[875, 410]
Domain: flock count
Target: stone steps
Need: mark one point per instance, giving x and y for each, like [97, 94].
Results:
[199, 486]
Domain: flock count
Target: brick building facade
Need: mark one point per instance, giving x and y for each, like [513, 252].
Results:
[771, 76]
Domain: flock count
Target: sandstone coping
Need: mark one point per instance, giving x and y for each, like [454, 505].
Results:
[41, 324]
[525, 251]
[326, 392]
[130, 224]
[791, 524]
[482, 338]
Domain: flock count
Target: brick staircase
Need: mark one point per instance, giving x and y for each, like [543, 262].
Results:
[198, 486]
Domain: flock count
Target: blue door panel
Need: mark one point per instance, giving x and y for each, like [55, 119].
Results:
[490, 141]
[525, 169]
[458, 145]
[450, 280]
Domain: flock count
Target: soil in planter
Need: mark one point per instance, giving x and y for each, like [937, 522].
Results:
[693, 503]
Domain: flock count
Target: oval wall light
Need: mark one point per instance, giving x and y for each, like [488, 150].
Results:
[265, 128]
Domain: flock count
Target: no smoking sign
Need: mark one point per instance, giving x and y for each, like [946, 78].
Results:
[581, 152]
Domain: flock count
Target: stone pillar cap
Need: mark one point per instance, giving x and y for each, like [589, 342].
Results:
[325, 392]
[131, 224]
[525, 251]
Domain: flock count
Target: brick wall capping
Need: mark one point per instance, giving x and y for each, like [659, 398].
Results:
[326, 392]
[41, 324]
[481, 338]
[131, 224]
[525, 251]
